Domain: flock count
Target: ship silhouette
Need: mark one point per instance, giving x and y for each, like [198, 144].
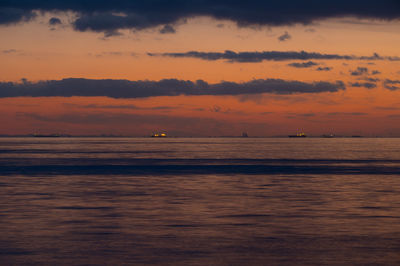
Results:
[158, 135]
[298, 135]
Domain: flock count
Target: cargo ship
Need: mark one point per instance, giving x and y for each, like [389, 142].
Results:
[158, 135]
[298, 135]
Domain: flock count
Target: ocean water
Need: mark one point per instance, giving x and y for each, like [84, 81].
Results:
[209, 201]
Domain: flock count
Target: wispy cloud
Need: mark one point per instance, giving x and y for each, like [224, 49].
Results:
[303, 64]
[284, 37]
[9, 51]
[368, 85]
[324, 69]
[167, 29]
[392, 84]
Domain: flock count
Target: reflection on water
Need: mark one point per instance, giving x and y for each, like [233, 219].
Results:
[50, 213]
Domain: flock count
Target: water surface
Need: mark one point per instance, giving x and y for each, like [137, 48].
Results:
[211, 201]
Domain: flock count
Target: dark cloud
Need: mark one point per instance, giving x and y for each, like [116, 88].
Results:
[167, 87]
[12, 15]
[284, 37]
[303, 64]
[368, 85]
[359, 71]
[375, 72]
[256, 57]
[54, 21]
[109, 16]
[324, 69]
[391, 84]
[167, 29]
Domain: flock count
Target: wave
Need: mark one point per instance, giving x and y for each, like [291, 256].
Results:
[94, 166]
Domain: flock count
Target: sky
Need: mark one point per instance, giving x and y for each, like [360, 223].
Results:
[200, 68]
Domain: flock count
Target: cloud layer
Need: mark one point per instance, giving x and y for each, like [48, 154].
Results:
[167, 87]
[255, 57]
[109, 16]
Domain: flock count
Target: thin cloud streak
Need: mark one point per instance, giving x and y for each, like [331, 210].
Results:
[368, 85]
[303, 64]
[256, 57]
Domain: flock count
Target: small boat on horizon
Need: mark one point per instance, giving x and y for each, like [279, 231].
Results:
[328, 136]
[298, 135]
[158, 135]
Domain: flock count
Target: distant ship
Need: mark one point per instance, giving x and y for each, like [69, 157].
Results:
[244, 135]
[159, 135]
[328, 136]
[298, 135]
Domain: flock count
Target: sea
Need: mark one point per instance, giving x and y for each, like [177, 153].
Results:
[199, 201]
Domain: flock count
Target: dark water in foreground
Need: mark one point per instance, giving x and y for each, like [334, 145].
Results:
[199, 201]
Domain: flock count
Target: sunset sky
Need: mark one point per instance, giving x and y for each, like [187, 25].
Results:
[200, 68]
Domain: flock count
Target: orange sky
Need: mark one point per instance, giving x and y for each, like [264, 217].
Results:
[36, 52]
